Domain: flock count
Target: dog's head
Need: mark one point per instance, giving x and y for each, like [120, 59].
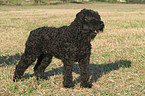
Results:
[91, 22]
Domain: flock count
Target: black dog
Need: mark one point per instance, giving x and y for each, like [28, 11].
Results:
[68, 43]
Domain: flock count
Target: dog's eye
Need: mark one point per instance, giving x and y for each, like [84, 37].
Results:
[94, 21]
[86, 19]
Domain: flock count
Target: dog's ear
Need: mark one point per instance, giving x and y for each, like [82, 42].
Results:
[81, 16]
[86, 27]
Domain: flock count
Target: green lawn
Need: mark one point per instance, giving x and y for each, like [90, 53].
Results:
[117, 64]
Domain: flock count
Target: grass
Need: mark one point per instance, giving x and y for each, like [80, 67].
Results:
[43, 2]
[117, 64]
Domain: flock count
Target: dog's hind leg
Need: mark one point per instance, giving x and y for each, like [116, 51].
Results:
[24, 63]
[42, 63]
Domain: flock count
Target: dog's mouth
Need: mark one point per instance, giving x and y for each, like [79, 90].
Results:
[96, 32]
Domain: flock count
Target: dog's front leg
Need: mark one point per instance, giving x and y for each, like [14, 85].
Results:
[84, 70]
[67, 72]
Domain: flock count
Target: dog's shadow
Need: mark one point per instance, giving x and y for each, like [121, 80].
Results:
[9, 59]
[96, 71]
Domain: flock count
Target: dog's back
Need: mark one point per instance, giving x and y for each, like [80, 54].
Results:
[48, 39]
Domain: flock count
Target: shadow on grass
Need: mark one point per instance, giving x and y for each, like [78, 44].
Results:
[9, 59]
[95, 72]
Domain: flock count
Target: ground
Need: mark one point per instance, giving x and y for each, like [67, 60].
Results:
[122, 41]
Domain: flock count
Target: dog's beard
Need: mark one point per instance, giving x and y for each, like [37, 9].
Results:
[93, 34]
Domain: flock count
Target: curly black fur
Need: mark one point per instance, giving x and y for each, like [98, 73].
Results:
[68, 43]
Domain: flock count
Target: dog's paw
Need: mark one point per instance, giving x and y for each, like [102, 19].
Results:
[86, 85]
[42, 77]
[68, 85]
[16, 78]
